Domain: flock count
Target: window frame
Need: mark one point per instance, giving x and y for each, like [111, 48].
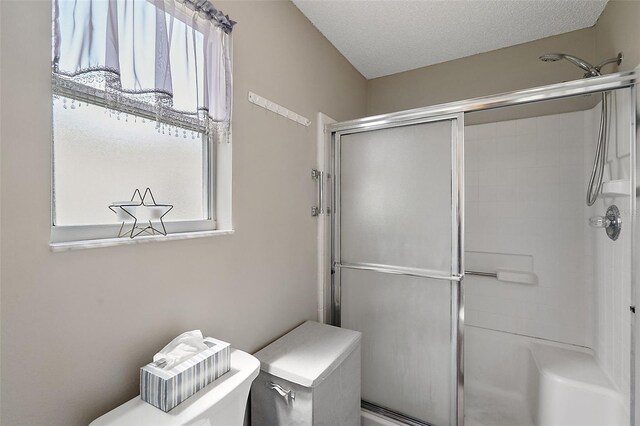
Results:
[76, 233]
[220, 169]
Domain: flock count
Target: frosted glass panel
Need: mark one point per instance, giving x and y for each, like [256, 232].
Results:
[99, 159]
[406, 349]
[396, 197]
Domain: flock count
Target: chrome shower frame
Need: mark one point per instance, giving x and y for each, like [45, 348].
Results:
[624, 80]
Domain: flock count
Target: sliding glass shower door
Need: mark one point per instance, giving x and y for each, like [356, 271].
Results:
[397, 263]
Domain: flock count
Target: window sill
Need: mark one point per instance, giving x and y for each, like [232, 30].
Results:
[108, 242]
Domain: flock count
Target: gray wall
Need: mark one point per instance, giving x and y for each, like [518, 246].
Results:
[514, 68]
[617, 30]
[498, 71]
[76, 326]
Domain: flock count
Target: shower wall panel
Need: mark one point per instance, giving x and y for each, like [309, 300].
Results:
[609, 261]
[525, 189]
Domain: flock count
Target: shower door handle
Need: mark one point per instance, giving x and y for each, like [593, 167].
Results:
[318, 176]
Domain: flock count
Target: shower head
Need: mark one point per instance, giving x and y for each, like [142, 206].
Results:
[550, 57]
[589, 69]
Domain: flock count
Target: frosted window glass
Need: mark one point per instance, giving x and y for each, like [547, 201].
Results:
[99, 159]
[396, 197]
[406, 341]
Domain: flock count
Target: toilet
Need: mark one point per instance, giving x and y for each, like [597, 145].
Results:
[223, 402]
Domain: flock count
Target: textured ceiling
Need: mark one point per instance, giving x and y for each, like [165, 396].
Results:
[382, 37]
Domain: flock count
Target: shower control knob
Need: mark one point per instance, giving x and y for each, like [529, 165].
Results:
[598, 222]
[611, 222]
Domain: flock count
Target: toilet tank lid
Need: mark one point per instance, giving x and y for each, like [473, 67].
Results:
[309, 353]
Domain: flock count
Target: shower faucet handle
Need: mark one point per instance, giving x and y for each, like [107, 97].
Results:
[599, 222]
[611, 222]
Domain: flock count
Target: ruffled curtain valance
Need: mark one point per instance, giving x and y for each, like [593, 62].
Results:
[169, 57]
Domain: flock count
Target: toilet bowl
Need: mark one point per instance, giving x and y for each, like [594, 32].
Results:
[223, 402]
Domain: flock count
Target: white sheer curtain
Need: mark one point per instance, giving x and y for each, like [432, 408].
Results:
[171, 57]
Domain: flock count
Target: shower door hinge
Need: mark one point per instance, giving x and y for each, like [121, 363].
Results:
[319, 177]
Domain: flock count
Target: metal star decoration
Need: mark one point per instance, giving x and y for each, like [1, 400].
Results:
[144, 210]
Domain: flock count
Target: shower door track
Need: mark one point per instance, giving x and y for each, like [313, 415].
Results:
[394, 415]
[608, 82]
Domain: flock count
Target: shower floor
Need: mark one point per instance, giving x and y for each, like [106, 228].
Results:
[486, 406]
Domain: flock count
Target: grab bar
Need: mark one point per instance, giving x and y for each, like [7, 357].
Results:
[319, 177]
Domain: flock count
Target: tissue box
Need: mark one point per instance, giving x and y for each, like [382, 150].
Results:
[165, 389]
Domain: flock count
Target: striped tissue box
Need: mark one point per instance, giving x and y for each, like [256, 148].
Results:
[165, 389]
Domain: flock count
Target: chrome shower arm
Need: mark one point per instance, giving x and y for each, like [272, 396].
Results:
[586, 66]
[617, 60]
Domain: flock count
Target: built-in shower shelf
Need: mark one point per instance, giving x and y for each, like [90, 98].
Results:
[616, 188]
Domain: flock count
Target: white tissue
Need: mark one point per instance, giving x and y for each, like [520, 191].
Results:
[180, 349]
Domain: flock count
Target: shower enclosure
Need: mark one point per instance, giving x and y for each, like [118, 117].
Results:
[398, 252]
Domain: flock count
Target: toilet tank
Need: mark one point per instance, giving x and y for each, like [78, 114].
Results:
[310, 376]
[222, 402]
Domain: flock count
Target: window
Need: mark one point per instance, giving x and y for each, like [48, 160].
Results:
[125, 119]
[102, 156]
